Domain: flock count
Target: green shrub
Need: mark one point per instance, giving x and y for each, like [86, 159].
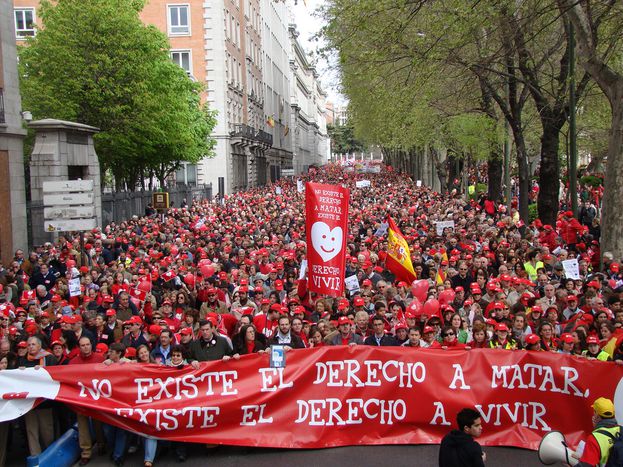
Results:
[592, 180]
[480, 188]
[533, 212]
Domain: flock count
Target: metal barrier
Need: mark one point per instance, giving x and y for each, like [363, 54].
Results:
[120, 206]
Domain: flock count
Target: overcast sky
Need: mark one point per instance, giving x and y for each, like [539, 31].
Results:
[308, 24]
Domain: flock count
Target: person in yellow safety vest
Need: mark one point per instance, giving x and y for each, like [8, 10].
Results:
[600, 441]
[594, 352]
[533, 264]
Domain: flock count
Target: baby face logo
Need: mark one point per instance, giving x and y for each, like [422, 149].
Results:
[327, 242]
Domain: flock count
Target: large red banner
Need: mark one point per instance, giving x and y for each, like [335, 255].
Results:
[326, 222]
[332, 396]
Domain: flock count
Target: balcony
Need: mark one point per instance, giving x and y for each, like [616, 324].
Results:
[247, 135]
[2, 119]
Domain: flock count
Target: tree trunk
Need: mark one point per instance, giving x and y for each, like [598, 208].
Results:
[494, 175]
[524, 174]
[441, 169]
[549, 173]
[612, 220]
[611, 83]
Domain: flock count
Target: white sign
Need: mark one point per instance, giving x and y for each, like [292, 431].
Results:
[69, 212]
[68, 199]
[300, 187]
[572, 268]
[278, 190]
[69, 225]
[418, 183]
[67, 185]
[382, 230]
[362, 183]
[287, 172]
[74, 287]
[303, 269]
[440, 226]
[352, 284]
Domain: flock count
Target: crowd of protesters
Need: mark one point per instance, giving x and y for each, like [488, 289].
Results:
[215, 280]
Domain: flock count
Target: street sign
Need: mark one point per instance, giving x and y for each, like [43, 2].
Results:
[69, 225]
[69, 212]
[68, 199]
[67, 186]
[160, 200]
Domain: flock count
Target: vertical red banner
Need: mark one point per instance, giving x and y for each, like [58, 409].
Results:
[326, 225]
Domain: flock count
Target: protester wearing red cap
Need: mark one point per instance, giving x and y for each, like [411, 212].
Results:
[345, 334]
[501, 339]
[135, 337]
[212, 304]
[532, 342]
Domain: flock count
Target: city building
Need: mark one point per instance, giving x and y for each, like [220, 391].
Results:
[12, 182]
[271, 112]
[308, 102]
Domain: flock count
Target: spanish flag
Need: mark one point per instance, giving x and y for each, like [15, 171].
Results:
[441, 277]
[398, 255]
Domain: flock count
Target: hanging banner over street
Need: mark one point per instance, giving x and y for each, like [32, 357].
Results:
[326, 225]
[332, 396]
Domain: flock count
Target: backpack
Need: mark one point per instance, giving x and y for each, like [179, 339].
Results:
[615, 457]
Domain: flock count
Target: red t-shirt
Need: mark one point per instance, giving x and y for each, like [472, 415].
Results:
[93, 358]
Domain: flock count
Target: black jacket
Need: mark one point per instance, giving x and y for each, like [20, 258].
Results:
[458, 449]
[386, 341]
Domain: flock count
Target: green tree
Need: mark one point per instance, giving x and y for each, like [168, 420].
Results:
[96, 63]
[343, 139]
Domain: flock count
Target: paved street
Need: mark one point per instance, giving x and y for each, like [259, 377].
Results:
[361, 456]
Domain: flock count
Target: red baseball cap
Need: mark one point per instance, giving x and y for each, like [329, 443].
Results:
[572, 298]
[186, 331]
[343, 320]
[501, 327]
[428, 329]
[358, 301]
[532, 339]
[592, 340]
[567, 338]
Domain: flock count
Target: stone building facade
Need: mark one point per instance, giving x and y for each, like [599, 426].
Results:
[12, 184]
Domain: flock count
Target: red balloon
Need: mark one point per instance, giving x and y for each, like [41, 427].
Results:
[415, 306]
[446, 297]
[174, 251]
[144, 285]
[431, 307]
[189, 279]
[207, 270]
[419, 289]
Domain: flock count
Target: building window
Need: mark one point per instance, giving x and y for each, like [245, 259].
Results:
[179, 20]
[24, 22]
[182, 58]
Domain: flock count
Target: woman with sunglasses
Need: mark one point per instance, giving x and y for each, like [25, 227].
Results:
[449, 340]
